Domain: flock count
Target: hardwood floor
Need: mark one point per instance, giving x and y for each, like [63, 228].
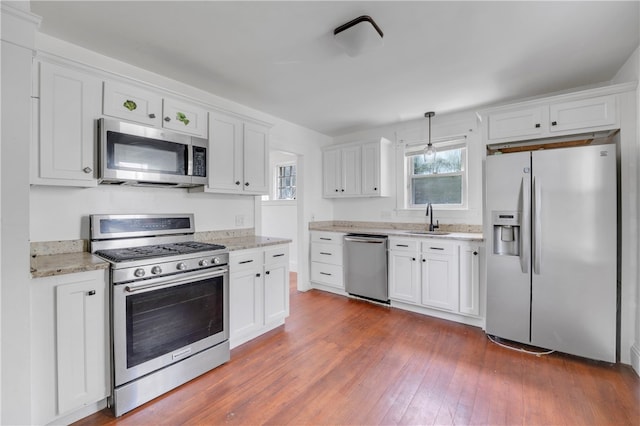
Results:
[345, 361]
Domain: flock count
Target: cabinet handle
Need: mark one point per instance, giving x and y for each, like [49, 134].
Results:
[537, 125]
[326, 254]
[258, 275]
[402, 245]
[324, 273]
[246, 184]
[91, 292]
[237, 182]
[436, 248]
[167, 119]
[278, 255]
[554, 123]
[87, 170]
[152, 115]
[245, 261]
[326, 239]
[267, 272]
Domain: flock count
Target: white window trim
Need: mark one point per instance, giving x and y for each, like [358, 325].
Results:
[405, 150]
[274, 184]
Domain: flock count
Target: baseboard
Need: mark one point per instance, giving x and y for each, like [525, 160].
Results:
[85, 411]
[635, 357]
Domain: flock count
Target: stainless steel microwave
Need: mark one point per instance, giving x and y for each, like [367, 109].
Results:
[131, 154]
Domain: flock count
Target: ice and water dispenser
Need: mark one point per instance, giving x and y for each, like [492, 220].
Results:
[506, 233]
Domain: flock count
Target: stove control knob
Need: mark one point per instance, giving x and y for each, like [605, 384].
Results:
[156, 270]
[215, 261]
[204, 262]
[139, 272]
[181, 266]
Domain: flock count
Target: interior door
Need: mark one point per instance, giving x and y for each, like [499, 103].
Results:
[574, 251]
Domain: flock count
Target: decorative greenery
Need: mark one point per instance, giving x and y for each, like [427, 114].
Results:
[181, 117]
[130, 105]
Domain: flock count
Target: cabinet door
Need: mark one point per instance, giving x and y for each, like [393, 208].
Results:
[440, 281]
[246, 312]
[225, 153]
[529, 122]
[331, 173]
[256, 159]
[583, 114]
[371, 169]
[82, 343]
[404, 276]
[276, 292]
[69, 105]
[351, 170]
[469, 280]
[132, 103]
[183, 117]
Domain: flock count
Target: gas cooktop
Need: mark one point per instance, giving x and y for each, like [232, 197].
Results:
[158, 250]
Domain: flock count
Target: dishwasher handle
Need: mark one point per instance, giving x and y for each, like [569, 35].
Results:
[365, 240]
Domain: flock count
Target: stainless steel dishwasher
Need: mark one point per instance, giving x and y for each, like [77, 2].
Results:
[365, 259]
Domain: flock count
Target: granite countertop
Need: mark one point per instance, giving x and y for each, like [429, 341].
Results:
[47, 260]
[453, 232]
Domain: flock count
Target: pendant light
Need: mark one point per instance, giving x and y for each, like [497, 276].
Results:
[429, 150]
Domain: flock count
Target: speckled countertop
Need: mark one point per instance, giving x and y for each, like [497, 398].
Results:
[50, 258]
[408, 230]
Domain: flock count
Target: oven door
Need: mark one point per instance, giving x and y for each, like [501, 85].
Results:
[161, 321]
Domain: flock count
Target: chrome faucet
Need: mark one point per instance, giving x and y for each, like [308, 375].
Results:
[429, 212]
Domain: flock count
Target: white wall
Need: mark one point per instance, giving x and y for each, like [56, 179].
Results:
[630, 71]
[386, 209]
[281, 217]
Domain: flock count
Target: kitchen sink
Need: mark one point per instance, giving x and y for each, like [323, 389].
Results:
[428, 232]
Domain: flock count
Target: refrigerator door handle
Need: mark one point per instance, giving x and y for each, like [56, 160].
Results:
[537, 227]
[525, 208]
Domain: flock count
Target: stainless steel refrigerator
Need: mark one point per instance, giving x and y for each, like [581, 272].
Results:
[552, 249]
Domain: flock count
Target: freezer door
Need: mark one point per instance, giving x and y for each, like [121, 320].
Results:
[574, 251]
[508, 183]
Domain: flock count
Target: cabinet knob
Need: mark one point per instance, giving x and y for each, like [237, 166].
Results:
[413, 259]
[554, 123]
[267, 272]
[91, 292]
[87, 170]
[475, 253]
[237, 182]
[537, 125]
[258, 275]
[342, 190]
[167, 119]
[246, 184]
[152, 115]
[337, 190]
[424, 260]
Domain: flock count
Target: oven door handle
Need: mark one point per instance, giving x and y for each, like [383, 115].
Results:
[132, 288]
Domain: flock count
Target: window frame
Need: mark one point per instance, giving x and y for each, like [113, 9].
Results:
[276, 175]
[444, 144]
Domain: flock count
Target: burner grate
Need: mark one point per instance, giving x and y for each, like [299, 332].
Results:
[160, 250]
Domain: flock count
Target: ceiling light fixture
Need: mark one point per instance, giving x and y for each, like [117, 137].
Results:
[429, 150]
[358, 36]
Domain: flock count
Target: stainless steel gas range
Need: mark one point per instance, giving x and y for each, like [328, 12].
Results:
[169, 303]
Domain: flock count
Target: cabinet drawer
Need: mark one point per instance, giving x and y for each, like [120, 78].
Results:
[245, 259]
[279, 254]
[403, 245]
[327, 237]
[326, 253]
[438, 247]
[327, 274]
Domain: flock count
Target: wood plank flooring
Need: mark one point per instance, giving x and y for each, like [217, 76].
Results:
[344, 361]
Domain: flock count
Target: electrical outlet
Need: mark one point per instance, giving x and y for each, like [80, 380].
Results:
[239, 220]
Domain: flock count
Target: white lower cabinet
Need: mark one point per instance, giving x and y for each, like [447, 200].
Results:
[437, 277]
[327, 271]
[69, 343]
[258, 291]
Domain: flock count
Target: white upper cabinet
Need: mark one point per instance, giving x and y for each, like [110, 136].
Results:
[580, 112]
[149, 108]
[357, 170]
[64, 134]
[238, 156]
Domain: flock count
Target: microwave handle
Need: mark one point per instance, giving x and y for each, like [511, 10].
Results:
[190, 160]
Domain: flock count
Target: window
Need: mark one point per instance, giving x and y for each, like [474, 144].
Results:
[442, 181]
[285, 188]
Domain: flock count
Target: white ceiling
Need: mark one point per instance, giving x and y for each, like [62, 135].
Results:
[280, 57]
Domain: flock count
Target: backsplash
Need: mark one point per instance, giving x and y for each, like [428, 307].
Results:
[474, 229]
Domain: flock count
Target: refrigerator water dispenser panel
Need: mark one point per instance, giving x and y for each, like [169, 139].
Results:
[506, 233]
